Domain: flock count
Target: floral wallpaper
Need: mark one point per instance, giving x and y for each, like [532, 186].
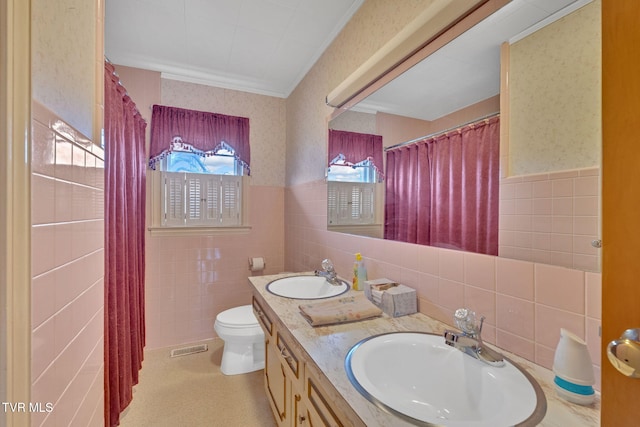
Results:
[266, 115]
[62, 58]
[555, 95]
[375, 23]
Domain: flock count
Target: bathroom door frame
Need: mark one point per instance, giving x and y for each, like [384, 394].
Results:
[15, 209]
[620, 200]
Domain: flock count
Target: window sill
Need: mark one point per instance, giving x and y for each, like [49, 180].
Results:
[343, 227]
[197, 231]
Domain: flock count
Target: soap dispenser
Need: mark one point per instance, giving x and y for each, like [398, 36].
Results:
[359, 273]
[573, 369]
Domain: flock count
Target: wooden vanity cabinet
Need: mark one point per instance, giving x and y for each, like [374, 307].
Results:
[283, 370]
[321, 411]
[276, 383]
[298, 392]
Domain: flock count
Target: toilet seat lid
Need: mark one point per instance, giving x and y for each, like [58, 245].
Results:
[238, 317]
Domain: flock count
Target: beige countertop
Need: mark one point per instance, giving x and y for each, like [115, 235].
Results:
[328, 346]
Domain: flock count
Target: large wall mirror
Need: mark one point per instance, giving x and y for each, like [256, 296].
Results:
[548, 99]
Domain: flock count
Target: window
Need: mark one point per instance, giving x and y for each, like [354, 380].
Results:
[354, 160]
[351, 203]
[201, 189]
[351, 193]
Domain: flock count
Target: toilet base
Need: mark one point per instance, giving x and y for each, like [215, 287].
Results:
[242, 358]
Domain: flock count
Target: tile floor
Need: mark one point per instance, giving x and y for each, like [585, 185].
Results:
[191, 391]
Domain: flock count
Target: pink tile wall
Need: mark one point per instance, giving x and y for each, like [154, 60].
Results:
[525, 303]
[67, 265]
[190, 279]
[551, 218]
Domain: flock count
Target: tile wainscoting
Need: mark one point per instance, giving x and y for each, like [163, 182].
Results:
[67, 263]
[525, 303]
[552, 218]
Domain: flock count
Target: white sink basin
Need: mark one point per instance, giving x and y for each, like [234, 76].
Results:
[306, 287]
[421, 379]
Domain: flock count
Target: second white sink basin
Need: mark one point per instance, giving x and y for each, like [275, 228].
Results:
[306, 287]
[421, 379]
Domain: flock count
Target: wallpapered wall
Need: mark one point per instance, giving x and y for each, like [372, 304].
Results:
[555, 96]
[375, 23]
[64, 55]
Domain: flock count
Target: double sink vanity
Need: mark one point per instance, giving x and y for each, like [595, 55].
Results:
[388, 371]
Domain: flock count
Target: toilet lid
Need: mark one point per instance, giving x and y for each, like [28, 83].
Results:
[238, 317]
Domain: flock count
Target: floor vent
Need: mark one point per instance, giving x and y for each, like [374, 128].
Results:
[189, 350]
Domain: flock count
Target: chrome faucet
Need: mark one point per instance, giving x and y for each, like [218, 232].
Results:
[328, 272]
[469, 340]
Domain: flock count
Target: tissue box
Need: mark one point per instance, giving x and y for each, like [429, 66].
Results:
[393, 298]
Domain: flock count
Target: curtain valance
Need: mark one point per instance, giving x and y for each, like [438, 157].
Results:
[355, 147]
[202, 130]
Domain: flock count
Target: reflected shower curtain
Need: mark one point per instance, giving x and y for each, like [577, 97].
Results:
[125, 174]
[443, 191]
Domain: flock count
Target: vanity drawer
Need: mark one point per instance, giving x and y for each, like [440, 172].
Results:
[320, 411]
[263, 318]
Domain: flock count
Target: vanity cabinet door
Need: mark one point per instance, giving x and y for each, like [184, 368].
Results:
[277, 384]
[301, 415]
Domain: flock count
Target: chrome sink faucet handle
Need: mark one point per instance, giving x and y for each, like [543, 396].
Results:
[327, 265]
[466, 321]
[328, 272]
[469, 341]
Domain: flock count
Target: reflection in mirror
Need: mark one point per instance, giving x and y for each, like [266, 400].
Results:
[354, 179]
[550, 121]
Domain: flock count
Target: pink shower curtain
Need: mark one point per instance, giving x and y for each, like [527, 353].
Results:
[125, 174]
[443, 191]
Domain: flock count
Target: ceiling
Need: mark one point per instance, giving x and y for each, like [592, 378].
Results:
[268, 46]
[258, 46]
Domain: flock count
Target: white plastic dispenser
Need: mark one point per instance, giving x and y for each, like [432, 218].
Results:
[573, 369]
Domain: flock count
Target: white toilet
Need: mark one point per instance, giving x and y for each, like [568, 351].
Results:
[243, 340]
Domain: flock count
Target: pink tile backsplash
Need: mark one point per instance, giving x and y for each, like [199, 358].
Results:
[515, 278]
[516, 344]
[67, 264]
[190, 279]
[594, 295]
[451, 264]
[548, 220]
[549, 320]
[560, 287]
[480, 270]
[525, 303]
[515, 316]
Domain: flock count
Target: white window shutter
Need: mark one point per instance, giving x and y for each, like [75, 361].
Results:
[194, 198]
[350, 203]
[212, 202]
[367, 204]
[231, 201]
[173, 198]
[332, 202]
